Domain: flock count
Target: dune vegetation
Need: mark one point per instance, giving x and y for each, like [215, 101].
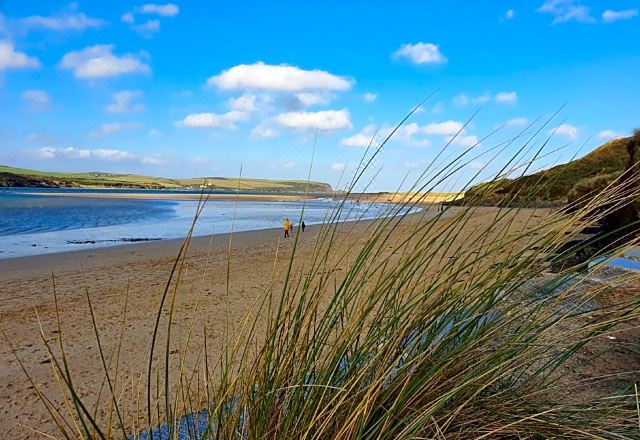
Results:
[413, 333]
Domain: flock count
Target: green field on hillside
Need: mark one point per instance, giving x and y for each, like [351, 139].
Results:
[19, 177]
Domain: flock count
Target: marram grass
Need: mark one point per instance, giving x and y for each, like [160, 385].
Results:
[430, 326]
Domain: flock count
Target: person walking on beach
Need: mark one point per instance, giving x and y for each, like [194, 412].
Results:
[287, 226]
[303, 226]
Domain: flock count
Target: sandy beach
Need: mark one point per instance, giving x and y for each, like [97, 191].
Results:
[139, 272]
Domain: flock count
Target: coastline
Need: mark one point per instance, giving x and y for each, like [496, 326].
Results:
[176, 196]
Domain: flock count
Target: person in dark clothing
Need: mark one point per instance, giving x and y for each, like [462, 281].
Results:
[303, 226]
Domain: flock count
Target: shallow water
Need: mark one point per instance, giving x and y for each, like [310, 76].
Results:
[32, 224]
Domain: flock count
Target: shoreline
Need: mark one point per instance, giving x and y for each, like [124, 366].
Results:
[176, 196]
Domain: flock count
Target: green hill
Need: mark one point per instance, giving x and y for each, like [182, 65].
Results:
[18, 177]
[559, 184]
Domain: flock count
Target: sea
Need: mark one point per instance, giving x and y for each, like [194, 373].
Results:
[32, 223]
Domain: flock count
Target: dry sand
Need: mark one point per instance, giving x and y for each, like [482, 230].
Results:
[26, 284]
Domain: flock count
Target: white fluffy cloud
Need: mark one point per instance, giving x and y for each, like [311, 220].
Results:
[37, 100]
[610, 16]
[421, 53]
[110, 128]
[507, 97]
[369, 97]
[76, 21]
[509, 14]
[608, 135]
[10, 58]
[263, 132]
[123, 102]
[327, 120]
[277, 78]
[362, 139]
[166, 10]
[566, 10]
[100, 62]
[566, 130]
[241, 109]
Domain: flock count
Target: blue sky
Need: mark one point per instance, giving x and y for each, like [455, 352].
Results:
[199, 88]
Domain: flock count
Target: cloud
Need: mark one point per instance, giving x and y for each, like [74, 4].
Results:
[361, 139]
[327, 120]
[154, 160]
[41, 138]
[60, 23]
[123, 102]
[245, 103]
[308, 99]
[446, 128]
[214, 120]
[105, 154]
[128, 17]
[263, 132]
[566, 130]
[100, 62]
[110, 128]
[517, 122]
[463, 99]
[507, 97]
[147, 29]
[37, 100]
[241, 109]
[566, 10]
[476, 165]
[609, 16]
[509, 14]
[466, 141]
[154, 133]
[421, 53]
[338, 166]
[608, 135]
[410, 134]
[277, 78]
[437, 108]
[12, 59]
[369, 97]
[166, 10]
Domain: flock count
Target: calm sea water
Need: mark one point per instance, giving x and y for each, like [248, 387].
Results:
[32, 224]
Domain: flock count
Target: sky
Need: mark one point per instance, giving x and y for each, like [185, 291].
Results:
[203, 88]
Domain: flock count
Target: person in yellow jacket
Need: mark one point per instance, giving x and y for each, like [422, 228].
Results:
[287, 227]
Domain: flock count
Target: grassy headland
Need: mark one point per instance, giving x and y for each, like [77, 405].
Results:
[560, 184]
[18, 177]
